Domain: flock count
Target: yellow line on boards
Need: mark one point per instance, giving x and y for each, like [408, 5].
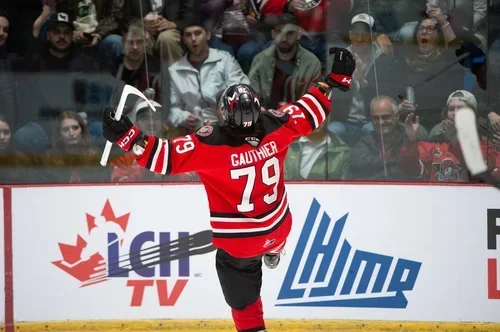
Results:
[227, 326]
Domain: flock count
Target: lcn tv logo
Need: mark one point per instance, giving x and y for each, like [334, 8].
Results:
[493, 235]
[325, 272]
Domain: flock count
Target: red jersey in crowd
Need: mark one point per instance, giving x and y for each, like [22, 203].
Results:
[439, 162]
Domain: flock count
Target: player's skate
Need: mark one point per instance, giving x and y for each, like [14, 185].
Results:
[272, 260]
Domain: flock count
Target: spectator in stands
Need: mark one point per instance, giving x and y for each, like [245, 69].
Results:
[284, 71]
[11, 160]
[444, 130]
[162, 18]
[8, 91]
[318, 156]
[375, 155]
[125, 167]
[351, 111]
[130, 67]
[395, 20]
[72, 158]
[264, 14]
[97, 24]
[198, 77]
[438, 162]
[59, 53]
[4, 35]
[21, 14]
[431, 50]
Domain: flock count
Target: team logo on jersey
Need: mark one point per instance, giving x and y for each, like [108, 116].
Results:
[253, 141]
[437, 153]
[277, 113]
[205, 131]
[448, 171]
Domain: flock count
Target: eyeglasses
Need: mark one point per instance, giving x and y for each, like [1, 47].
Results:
[429, 29]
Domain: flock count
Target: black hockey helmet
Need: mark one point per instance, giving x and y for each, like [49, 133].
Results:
[240, 106]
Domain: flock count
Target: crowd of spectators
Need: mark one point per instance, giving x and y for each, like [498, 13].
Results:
[418, 63]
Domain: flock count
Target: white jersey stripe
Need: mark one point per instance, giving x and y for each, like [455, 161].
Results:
[259, 220]
[314, 117]
[157, 152]
[318, 106]
[165, 158]
[282, 214]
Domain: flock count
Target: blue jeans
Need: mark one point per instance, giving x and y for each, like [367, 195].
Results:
[220, 45]
[111, 46]
[349, 132]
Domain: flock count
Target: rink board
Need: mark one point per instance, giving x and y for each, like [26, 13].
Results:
[405, 260]
[272, 326]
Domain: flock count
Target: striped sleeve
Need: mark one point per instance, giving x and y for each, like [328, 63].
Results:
[308, 113]
[156, 157]
[182, 154]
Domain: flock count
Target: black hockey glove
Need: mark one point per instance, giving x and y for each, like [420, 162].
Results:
[122, 132]
[343, 66]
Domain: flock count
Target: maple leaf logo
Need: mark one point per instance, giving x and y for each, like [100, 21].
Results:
[87, 258]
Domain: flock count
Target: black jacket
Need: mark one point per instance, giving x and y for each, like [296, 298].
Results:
[366, 161]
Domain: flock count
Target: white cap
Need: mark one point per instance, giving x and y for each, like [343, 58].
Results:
[466, 97]
[365, 18]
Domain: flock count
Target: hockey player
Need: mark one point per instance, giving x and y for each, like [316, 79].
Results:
[241, 166]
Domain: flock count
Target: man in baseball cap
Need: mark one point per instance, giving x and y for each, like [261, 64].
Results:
[364, 18]
[361, 33]
[59, 18]
[60, 32]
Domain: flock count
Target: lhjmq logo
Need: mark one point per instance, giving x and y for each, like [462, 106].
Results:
[315, 279]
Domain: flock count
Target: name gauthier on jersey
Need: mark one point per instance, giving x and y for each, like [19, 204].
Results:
[265, 151]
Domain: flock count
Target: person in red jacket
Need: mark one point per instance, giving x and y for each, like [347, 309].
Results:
[240, 164]
[435, 161]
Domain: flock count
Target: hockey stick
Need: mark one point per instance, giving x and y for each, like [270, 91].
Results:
[195, 244]
[127, 90]
[465, 122]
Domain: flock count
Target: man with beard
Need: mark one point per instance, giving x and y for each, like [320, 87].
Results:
[59, 53]
[285, 70]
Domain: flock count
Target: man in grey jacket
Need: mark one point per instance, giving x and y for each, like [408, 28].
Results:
[198, 77]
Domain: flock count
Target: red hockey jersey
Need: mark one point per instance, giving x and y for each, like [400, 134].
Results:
[439, 162]
[243, 176]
